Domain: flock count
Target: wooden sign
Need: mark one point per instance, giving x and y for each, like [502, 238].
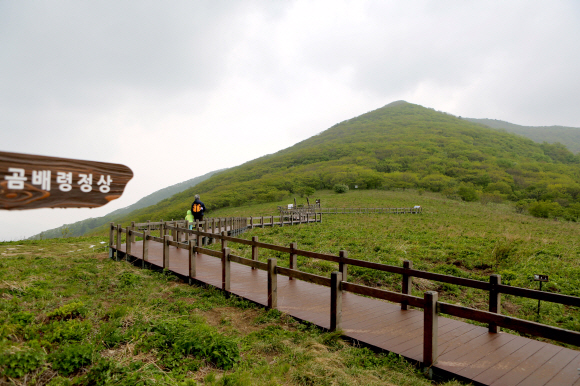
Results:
[33, 181]
[540, 277]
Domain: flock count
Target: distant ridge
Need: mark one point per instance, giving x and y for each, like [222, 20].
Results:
[568, 136]
[81, 227]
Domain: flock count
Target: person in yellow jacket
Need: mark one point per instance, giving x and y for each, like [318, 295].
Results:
[189, 217]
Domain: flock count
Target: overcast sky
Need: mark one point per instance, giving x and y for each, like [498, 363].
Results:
[212, 84]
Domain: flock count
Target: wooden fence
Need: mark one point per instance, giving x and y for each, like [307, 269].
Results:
[338, 282]
[414, 210]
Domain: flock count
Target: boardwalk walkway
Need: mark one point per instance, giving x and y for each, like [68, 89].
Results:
[467, 352]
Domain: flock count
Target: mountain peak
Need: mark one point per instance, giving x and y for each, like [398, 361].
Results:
[397, 103]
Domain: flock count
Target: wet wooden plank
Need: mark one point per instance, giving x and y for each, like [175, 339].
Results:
[567, 374]
[492, 358]
[458, 359]
[444, 327]
[551, 368]
[528, 366]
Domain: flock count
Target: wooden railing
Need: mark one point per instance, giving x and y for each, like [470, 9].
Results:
[338, 282]
[414, 210]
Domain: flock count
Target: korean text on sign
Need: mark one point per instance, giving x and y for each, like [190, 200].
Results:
[64, 180]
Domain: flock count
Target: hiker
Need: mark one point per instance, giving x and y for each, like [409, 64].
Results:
[190, 219]
[197, 208]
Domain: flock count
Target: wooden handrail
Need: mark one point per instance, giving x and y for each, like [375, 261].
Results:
[359, 210]
[395, 297]
[520, 325]
[471, 283]
[338, 282]
[494, 319]
[309, 277]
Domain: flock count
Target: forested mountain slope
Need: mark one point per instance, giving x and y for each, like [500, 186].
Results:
[569, 136]
[400, 145]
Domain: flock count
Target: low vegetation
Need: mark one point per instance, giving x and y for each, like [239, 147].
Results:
[71, 316]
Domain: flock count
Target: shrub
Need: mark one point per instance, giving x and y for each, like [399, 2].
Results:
[71, 330]
[16, 362]
[340, 188]
[467, 192]
[502, 251]
[508, 276]
[521, 206]
[70, 358]
[23, 318]
[129, 280]
[305, 191]
[178, 338]
[545, 209]
[111, 335]
[214, 347]
[68, 311]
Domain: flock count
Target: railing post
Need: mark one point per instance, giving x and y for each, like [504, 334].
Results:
[149, 225]
[226, 269]
[205, 230]
[128, 242]
[342, 266]
[293, 264]
[272, 221]
[251, 222]
[111, 239]
[430, 325]
[145, 247]
[494, 299]
[119, 238]
[262, 222]
[335, 301]
[199, 238]
[213, 225]
[224, 241]
[192, 262]
[132, 228]
[308, 218]
[174, 231]
[254, 249]
[407, 283]
[272, 284]
[161, 229]
[166, 239]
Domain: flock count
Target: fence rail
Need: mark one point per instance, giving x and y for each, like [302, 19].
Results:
[191, 239]
[414, 210]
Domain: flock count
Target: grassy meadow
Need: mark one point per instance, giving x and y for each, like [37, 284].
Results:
[71, 316]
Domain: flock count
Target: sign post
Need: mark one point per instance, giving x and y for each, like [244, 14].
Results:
[541, 279]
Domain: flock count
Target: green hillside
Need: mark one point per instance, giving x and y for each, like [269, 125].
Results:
[400, 146]
[569, 136]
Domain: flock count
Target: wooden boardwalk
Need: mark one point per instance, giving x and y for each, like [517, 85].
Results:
[466, 352]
